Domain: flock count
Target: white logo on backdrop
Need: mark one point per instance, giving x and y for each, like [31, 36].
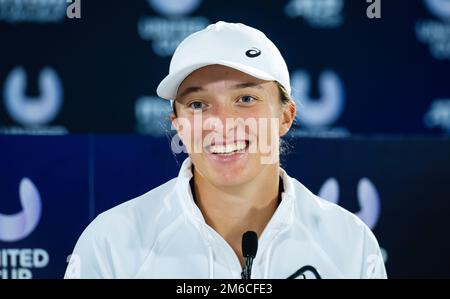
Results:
[35, 111]
[436, 33]
[168, 31]
[367, 194]
[323, 111]
[17, 263]
[317, 13]
[16, 227]
[152, 116]
[38, 11]
[174, 7]
[440, 8]
[438, 115]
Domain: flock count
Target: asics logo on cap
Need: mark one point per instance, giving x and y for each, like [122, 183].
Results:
[253, 52]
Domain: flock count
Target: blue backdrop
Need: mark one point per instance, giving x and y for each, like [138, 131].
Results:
[349, 73]
[373, 93]
[398, 186]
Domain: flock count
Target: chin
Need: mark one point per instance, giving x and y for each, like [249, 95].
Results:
[234, 176]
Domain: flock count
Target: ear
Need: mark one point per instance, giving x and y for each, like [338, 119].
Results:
[174, 121]
[172, 117]
[182, 126]
[287, 117]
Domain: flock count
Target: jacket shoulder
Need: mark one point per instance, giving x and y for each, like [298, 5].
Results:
[132, 225]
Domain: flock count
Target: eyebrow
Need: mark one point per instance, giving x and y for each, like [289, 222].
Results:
[192, 89]
[247, 85]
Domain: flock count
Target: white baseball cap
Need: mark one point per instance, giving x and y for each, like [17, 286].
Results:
[230, 44]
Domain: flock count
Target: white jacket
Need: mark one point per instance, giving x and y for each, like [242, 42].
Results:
[162, 234]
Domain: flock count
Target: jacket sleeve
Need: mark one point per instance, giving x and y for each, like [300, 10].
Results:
[91, 258]
[372, 262]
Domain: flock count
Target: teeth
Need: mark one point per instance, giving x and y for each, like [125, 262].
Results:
[229, 148]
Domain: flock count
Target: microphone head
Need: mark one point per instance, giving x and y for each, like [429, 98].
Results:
[249, 244]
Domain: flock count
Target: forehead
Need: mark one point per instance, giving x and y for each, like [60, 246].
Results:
[219, 75]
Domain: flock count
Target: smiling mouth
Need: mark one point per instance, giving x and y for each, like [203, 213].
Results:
[228, 149]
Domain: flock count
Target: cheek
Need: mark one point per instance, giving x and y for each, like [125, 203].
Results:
[267, 118]
[266, 110]
[197, 139]
[188, 132]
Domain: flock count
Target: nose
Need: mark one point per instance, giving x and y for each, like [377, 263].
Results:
[217, 119]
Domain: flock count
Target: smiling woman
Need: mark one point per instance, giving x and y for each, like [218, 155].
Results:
[231, 166]
[231, 105]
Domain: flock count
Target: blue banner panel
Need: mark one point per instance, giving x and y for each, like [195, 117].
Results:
[44, 203]
[52, 187]
[128, 166]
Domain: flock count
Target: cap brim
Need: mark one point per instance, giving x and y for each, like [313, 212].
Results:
[168, 87]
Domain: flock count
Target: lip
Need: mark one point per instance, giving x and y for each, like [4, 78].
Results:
[208, 147]
[226, 159]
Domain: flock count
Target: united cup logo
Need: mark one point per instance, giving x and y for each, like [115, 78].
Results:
[16, 227]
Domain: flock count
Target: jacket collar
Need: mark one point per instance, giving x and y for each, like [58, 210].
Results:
[283, 215]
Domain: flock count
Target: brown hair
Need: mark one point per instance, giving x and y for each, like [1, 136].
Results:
[285, 99]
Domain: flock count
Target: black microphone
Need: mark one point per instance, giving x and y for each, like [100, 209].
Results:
[249, 248]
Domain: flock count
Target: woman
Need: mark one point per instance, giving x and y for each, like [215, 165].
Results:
[230, 92]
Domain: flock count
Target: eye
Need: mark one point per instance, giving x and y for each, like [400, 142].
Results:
[246, 99]
[196, 105]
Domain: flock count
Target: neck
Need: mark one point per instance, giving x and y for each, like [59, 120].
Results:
[231, 211]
